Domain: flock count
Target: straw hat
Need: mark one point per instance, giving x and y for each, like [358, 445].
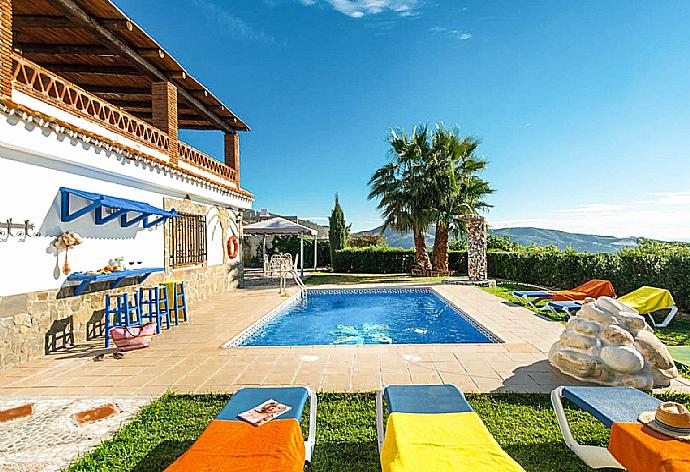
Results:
[670, 418]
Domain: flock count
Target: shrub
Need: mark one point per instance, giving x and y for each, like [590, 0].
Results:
[365, 240]
[387, 260]
[627, 270]
[665, 267]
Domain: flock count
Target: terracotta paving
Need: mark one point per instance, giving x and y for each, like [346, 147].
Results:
[190, 358]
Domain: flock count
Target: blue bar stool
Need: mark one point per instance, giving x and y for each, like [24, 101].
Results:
[153, 305]
[120, 313]
[177, 299]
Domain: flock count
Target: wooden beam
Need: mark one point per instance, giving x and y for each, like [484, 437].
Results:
[124, 91]
[88, 69]
[152, 53]
[143, 106]
[82, 49]
[111, 39]
[40, 21]
[117, 24]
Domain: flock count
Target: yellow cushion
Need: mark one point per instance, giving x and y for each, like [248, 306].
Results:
[448, 442]
[648, 299]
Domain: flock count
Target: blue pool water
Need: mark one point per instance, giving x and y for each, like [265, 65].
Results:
[401, 316]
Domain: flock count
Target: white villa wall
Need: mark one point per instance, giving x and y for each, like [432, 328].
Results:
[35, 299]
[32, 193]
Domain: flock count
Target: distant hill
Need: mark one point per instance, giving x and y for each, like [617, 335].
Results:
[527, 237]
[562, 239]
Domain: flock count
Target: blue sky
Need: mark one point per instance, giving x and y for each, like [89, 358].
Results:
[583, 107]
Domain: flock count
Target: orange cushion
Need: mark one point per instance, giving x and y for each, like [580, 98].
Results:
[236, 446]
[593, 288]
[641, 449]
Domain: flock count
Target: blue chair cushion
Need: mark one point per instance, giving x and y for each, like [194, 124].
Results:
[533, 294]
[247, 398]
[562, 306]
[611, 404]
[425, 399]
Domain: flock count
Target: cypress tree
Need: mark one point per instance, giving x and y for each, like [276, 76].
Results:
[337, 230]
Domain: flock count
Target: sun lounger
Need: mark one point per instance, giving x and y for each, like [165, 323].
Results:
[608, 405]
[433, 428]
[231, 444]
[593, 288]
[569, 308]
[648, 300]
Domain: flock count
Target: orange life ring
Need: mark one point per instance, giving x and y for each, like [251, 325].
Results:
[233, 247]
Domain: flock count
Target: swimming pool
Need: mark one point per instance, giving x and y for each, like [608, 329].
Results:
[365, 316]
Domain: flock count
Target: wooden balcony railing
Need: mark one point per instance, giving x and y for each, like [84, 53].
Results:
[44, 85]
[195, 157]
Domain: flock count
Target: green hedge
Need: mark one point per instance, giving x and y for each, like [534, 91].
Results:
[627, 270]
[387, 260]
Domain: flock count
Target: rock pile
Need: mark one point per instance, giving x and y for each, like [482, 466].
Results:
[609, 343]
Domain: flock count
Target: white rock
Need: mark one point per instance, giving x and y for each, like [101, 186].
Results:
[609, 343]
[614, 334]
[582, 326]
[591, 312]
[623, 359]
[613, 306]
[578, 341]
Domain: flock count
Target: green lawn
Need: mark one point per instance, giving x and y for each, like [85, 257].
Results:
[326, 278]
[524, 425]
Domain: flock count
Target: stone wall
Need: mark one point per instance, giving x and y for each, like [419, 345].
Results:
[477, 241]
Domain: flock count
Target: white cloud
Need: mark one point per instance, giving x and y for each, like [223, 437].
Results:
[234, 25]
[664, 216]
[360, 8]
[451, 33]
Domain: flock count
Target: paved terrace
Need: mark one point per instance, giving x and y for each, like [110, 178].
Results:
[190, 358]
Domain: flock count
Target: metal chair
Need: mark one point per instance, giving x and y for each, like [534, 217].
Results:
[177, 300]
[153, 305]
[120, 313]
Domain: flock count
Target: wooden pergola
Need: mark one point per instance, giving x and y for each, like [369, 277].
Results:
[95, 46]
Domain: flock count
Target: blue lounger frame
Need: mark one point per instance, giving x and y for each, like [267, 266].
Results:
[608, 405]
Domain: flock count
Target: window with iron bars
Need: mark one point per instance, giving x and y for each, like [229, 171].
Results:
[188, 240]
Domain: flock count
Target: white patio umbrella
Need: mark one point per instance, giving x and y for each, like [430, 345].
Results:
[281, 227]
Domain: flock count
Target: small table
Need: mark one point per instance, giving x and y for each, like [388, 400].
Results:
[115, 278]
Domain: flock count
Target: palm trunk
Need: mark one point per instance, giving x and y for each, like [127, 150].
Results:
[423, 261]
[440, 252]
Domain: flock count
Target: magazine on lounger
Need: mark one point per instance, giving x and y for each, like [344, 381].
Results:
[264, 413]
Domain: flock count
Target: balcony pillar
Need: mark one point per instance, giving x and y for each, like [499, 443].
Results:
[232, 153]
[5, 48]
[164, 113]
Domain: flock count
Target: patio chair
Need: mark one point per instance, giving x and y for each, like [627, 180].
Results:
[594, 288]
[231, 444]
[433, 428]
[569, 308]
[608, 405]
[648, 300]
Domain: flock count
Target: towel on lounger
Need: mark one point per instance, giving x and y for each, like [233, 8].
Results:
[648, 299]
[236, 446]
[593, 288]
[641, 449]
[446, 442]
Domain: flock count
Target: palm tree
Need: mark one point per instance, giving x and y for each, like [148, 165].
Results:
[455, 187]
[401, 187]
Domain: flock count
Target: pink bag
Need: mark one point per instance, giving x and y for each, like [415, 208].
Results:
[129, 338]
